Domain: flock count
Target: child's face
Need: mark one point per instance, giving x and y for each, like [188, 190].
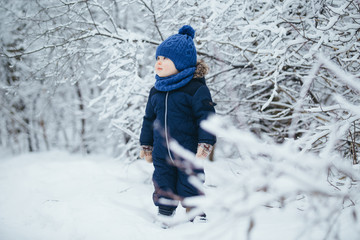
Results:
[164, 67]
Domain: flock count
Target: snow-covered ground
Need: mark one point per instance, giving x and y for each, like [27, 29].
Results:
[57, 195]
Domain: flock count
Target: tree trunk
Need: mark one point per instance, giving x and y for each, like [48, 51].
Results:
[84, 145]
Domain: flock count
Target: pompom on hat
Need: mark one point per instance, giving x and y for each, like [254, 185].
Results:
[179, 48]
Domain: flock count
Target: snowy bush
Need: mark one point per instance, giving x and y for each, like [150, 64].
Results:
[266, 181]
[101, 53]
[319, 191]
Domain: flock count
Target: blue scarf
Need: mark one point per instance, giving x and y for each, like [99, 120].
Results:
[176, 81]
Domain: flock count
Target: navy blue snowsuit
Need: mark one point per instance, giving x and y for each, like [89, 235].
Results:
[177, 113]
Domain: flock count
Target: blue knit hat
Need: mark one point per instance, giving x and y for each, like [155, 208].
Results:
[179, 48]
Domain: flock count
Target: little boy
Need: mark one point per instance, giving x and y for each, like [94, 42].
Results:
[177, 104]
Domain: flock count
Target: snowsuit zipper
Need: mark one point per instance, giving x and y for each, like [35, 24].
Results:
[166, 130]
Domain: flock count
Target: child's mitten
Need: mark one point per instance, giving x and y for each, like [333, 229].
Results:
[203, 150]
[146, 151]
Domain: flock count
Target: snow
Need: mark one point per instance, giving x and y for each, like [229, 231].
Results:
[57, 195]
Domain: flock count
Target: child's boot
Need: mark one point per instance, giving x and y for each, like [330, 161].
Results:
[200, 218]
[164, 216]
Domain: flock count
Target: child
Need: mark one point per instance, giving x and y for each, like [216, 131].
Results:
[176, 105]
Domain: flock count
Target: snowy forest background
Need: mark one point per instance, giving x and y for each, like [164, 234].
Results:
[75, 75]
